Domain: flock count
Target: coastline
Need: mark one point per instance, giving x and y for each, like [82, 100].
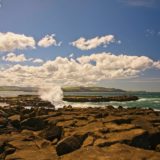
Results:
[67, 133]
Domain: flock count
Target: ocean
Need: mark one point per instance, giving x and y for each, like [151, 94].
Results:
[146, 99]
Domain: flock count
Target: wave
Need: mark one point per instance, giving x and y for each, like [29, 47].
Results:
[149, 99]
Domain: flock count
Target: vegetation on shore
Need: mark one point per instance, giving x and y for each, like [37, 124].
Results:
[65, 89]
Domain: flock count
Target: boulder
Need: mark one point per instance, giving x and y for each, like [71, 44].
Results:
[70, 144]
[158, 148]
[3, 119]
[34, 124]
[15, 121]
[52, 132]
[3, 122]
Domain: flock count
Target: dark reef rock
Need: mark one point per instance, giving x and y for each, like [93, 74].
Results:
[70, 144]
[34, 124]
[52, 132]
[99, 98]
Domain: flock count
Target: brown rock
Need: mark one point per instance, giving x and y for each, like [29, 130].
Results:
[47, 153]
[34, 124]
[88, 141]
[70, 144]
[15, 121]
[114, 152]
[52, 132]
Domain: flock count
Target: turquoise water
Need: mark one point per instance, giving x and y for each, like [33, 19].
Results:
[146, 99]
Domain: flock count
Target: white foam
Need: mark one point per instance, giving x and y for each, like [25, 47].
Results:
[53, 94]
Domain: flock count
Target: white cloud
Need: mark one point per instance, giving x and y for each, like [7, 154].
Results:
[84, 44]
[71, 55]
[12, 57]
[84, 70]
[157, 64]
[48, 40]
[38, 60]
[10, 41]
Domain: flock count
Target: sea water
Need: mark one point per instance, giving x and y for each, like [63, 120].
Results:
[146, 99]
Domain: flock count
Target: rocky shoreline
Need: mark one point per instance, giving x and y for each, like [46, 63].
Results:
[34, 100]
[70, 133]
[122, 98]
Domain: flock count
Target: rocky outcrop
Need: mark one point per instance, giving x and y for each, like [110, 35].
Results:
[114, 152]
[34, 124]
[79, 133]
[70, 144]
[52, 132]
[99, 98]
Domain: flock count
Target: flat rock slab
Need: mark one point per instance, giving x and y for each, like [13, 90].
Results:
[114, 152]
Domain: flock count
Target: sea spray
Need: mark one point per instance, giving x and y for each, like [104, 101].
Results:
[53, 94]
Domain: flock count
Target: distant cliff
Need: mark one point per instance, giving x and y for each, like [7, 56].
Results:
[15, 88]
[65, 89]
[91, 89]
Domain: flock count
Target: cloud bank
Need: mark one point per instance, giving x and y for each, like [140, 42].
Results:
[84, 70]
[84, 44]
[12, 57]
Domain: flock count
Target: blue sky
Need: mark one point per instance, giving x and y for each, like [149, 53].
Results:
[135, 24]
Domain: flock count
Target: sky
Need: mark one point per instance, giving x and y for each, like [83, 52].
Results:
[110, 43]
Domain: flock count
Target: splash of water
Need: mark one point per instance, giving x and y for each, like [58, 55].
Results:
[52, 94]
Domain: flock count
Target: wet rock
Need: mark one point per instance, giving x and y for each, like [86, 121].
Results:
[69, 107]
[3, 122]
[158, 148]
[34, 124]
[109, 107]
[52, 132]
[99, 98]
[101, 115]
[103, 130]
[2, 145]
[70, 144]
[15, 121]
[120, 108]
[9, 150]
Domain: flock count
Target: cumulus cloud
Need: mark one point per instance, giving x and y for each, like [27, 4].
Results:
[157, 64]
[84, 44]
[48, 40]
[12, 57]
[10, 41]
[38, 60]
[84, 70]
